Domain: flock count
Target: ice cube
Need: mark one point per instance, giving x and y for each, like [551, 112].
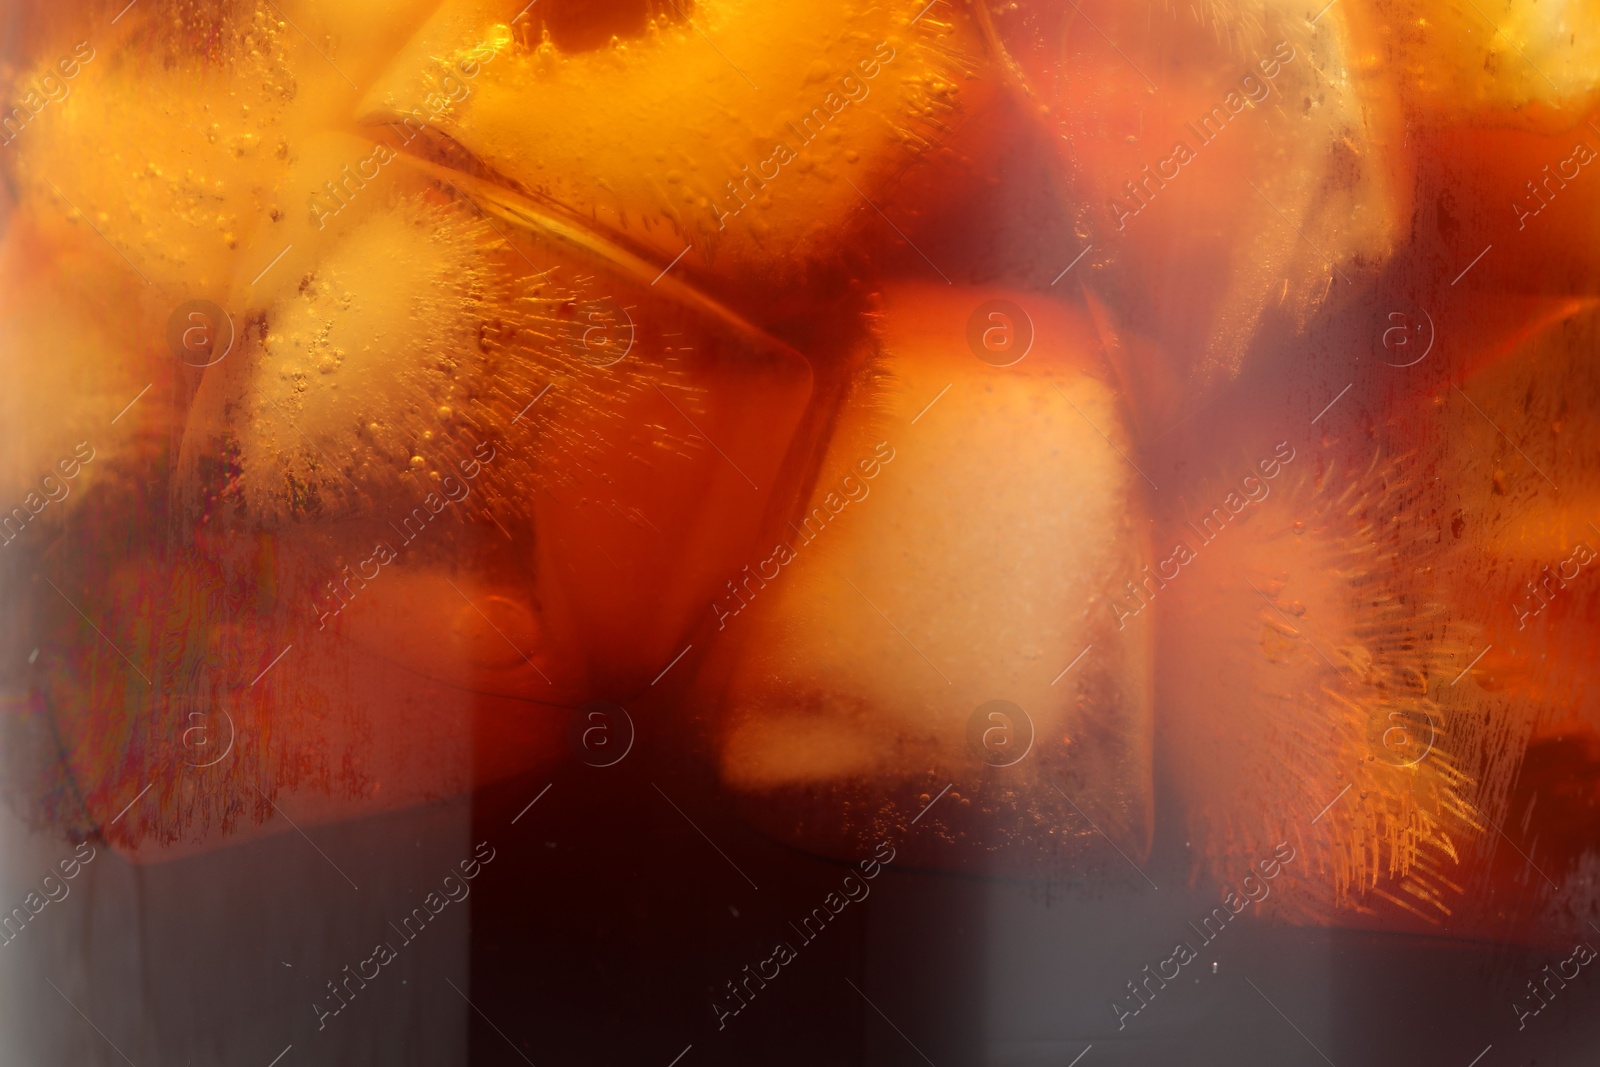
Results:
[748, 139]
[1514, 63]
[958, 549]
[1237, 168]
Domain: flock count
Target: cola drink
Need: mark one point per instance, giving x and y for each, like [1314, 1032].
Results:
[525, 523]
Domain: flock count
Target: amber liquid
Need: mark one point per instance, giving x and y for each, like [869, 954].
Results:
[880, 519]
